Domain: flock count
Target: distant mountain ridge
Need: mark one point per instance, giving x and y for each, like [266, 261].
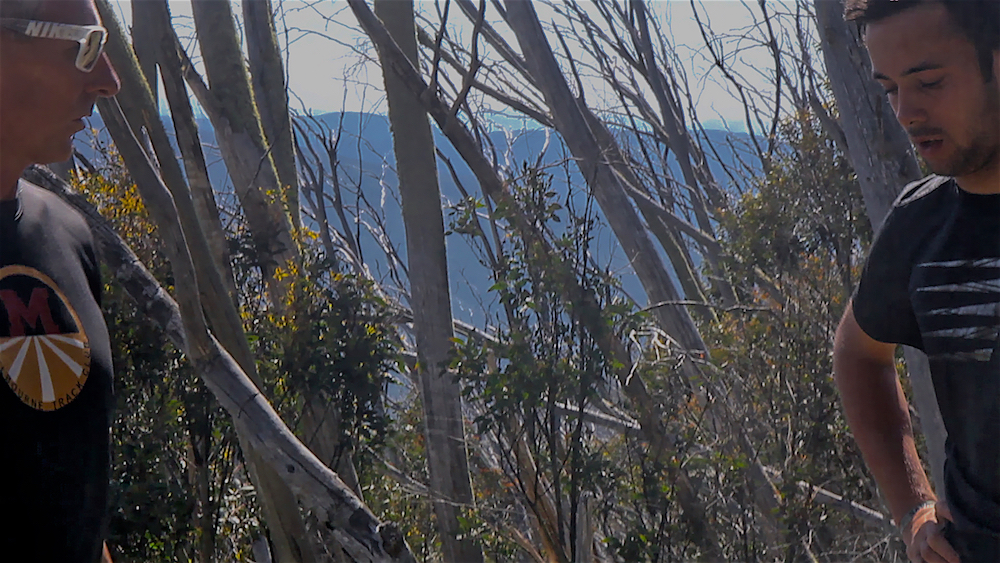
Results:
[366, 158]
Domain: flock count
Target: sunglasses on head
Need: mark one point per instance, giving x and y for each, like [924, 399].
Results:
[90, 37]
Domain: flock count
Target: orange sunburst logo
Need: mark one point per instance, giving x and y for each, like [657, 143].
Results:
[44, 352]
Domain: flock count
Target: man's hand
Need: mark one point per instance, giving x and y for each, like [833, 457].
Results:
[924, 539]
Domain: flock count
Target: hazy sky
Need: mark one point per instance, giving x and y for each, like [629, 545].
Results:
[326, 72]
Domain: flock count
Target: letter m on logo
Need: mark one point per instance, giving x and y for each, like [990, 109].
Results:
[21, 316]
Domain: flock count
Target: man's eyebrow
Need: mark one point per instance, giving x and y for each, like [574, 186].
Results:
[912, 70]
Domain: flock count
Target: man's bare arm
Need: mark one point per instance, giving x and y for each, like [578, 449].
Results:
[879, 417]
[878, 414]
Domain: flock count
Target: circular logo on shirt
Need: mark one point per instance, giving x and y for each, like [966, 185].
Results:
[44, 352]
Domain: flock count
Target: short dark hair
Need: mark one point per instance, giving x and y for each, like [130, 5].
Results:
[978, 20]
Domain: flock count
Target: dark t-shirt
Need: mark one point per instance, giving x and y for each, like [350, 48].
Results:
[56, 394]
[932, 281]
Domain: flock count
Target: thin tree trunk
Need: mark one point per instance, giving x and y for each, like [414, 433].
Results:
[188, 140]
[656, 216]
[430, 295]
[231, 108]
[144, 41]
[680, 141]
[200, 471]
[538, 493]
[883, 159]
[267, 74]
[584, 548]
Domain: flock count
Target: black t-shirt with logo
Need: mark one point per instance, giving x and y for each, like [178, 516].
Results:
[56, 394]
[932, 281]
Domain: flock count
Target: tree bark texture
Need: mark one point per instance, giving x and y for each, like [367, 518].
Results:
[144, 43]
[883, 159]
[441, 394]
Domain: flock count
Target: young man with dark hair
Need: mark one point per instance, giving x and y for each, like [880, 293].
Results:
[932, 278]
[55, 358]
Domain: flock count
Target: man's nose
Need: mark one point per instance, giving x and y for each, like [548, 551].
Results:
[103, 78]
[909, 110]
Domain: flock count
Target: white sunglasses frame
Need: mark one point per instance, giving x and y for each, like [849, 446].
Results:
[67, 31]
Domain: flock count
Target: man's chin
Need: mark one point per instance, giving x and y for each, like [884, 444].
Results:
[944, 164]
[57, 154]
[963, 165]
[939, 169]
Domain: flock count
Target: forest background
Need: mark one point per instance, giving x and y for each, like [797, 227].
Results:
[532, 310]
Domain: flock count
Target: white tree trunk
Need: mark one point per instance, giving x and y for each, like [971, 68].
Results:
[416, 167]
[267, 74]
[229, 104]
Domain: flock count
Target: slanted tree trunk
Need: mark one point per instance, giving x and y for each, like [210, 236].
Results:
[188, 139]
[883, 159]
[697, 176]
[430, 295]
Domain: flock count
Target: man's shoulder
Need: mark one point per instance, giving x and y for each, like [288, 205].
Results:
[919, 209]
[924, 191]
[32, 192]
[42, 205]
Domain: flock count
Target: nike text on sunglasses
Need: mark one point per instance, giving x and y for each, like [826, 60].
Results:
[90, 37]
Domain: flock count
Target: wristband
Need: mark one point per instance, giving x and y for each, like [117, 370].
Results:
[905, 521]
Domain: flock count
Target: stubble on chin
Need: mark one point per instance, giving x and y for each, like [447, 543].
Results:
[982, 153]
[983, 150]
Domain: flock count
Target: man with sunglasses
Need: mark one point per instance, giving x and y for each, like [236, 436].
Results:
[55, 357]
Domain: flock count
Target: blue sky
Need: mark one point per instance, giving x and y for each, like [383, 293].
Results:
[327, 73]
